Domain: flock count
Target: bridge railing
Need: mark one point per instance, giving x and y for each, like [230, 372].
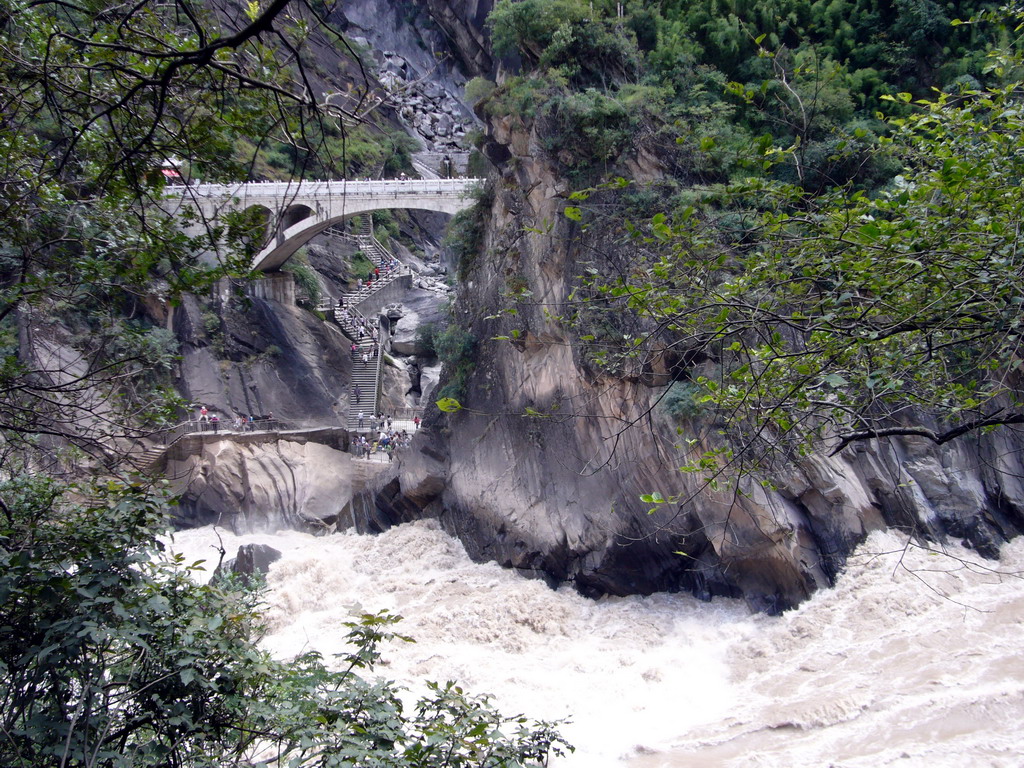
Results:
[171, 435]
[289, 189]
[406, 414]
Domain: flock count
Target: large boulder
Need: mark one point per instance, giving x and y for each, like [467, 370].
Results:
[419, 308]
[263, 486]
[252, 563]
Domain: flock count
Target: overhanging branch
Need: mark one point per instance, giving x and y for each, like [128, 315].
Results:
[938, 438]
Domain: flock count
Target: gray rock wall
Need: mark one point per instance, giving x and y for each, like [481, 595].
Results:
[263, 485]
[558, 495]
[256, 356]
[463, 23]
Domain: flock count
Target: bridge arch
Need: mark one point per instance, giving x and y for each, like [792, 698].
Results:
[252, 224]
[289, 239]
[304, 209]
[293, 214]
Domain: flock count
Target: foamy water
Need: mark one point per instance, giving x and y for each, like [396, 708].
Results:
[912, 664]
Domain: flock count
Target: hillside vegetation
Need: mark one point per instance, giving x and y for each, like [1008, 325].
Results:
[826, 251]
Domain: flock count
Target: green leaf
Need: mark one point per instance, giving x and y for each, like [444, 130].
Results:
[449, 405]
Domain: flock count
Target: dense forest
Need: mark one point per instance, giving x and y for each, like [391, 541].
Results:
[727, 79]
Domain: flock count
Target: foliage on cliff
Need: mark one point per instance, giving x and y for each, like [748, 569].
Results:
[846, 316]
[825, 273]
[722, 80]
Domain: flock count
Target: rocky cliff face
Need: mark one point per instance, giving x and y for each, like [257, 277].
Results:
[558, 496]
[246, 355]
[463, 23]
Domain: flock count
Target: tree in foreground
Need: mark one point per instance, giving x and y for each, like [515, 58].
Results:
[97, 101]
[111, 655]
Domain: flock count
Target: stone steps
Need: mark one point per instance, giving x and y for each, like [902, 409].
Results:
[366, 377]
[148, 459]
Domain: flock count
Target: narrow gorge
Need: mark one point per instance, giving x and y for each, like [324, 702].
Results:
[373, 372]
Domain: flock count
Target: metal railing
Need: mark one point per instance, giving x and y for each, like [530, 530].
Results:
[383, 335]
[171, 435]
[406, 414]
[291, 189]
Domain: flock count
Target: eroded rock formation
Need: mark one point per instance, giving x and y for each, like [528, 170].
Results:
[252, 563]
[558, 495]
[263, 483]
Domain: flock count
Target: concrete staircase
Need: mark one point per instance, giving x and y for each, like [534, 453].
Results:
[148, 459]
[365, 376]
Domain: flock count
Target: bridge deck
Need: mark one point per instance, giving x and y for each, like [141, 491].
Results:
[285, 192]
[299, 210]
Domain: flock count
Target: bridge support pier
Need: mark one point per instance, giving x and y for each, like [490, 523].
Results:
[275, 286]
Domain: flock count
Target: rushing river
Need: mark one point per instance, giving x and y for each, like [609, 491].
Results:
[914, 659]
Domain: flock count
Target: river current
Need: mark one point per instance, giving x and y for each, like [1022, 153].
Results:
[913, 659]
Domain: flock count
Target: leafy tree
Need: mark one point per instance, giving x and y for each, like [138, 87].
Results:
[465, 232]
[455, 347]
[305, 276]
[528, 27]
[97, 99]
[844, 317]
[112, 656]
[586, 128]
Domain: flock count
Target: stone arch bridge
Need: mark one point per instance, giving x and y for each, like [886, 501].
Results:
[297, 211]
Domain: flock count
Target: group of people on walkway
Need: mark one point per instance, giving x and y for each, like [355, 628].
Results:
[368, 354]
[386, 442]
[381, 421]
[360, 326]
[209, 420]
[364, 335]
[375, 420]
[387, 268]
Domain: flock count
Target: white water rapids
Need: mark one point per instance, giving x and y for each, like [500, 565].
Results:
[906, 663]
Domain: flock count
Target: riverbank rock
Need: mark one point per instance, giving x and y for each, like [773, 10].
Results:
[553, 468]
[252, 562]
[263, 486]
